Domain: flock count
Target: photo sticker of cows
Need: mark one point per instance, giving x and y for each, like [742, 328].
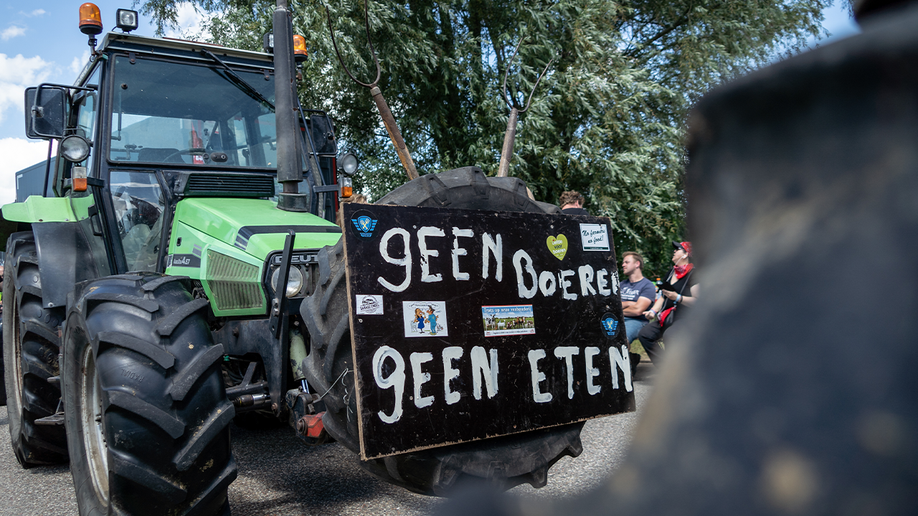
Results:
[500, 320]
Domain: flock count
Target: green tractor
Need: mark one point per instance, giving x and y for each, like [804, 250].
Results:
[181, 267]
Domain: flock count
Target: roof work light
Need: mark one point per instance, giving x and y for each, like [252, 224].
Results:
[267, 43]
[90, 19]
[126, 19]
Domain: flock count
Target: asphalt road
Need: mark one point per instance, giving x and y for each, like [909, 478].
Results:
[280, 475]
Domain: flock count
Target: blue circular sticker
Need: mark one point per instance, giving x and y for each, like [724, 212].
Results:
[610, 325]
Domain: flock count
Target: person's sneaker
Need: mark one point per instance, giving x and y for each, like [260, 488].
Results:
[635, 360]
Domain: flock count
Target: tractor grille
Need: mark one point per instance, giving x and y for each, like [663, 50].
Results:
[233, 282]
[228, 185]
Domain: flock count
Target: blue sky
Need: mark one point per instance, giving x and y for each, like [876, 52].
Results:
[40, 41]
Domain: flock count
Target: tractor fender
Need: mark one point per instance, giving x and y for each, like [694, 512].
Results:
[64, 259]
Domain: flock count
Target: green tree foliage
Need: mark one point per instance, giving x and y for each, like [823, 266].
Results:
[608, 119]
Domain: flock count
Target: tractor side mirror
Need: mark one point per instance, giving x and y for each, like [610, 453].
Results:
[45, 112]
[323, 134]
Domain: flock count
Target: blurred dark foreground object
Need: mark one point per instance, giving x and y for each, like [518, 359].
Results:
[793, 390]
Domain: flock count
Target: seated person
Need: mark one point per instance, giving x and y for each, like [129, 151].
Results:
[637, 293]
[674, 303]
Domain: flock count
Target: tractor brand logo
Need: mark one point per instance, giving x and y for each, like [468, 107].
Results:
[296, 258]
[183, 260]
[365, 225]
[609, 325]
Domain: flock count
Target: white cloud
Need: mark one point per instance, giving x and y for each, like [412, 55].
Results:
[16, 73]
[78, 63]
[12, 32]
[190, 23]
[17, 154]
[36, 12]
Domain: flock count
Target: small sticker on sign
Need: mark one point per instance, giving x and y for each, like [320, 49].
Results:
[369, 304]
[500, 320]
[363, 223]
[557, 245]
[425, 318]
[595, 237]
[609, 325]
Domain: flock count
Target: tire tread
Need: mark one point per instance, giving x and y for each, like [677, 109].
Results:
[151, 351]
[139, 302]
[218, 420]
[134, 471]
[170, 424]
[185, 379]
[168, 324]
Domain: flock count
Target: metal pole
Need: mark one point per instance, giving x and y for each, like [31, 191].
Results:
[394, 134]
[506, 154]
[388, 120]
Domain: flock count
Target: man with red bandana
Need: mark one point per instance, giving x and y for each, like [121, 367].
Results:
[678, 294]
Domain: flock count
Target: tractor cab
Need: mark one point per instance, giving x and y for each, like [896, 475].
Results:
[150, 122]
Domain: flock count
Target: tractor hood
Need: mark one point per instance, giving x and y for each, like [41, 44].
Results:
[226, 243]
[254, 226]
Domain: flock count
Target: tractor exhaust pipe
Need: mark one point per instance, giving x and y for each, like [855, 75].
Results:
[289, 169]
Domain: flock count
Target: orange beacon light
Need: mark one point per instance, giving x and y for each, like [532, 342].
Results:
[90, 19]
[299, 48]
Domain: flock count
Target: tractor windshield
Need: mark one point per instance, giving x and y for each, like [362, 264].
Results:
[168, 112]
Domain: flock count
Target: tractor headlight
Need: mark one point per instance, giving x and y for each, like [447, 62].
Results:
[348, 164]
[295, 281]
[75, 148]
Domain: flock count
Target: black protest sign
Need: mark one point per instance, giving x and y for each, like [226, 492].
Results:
[473, 324]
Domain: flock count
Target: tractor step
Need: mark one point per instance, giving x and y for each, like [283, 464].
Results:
[56, 419]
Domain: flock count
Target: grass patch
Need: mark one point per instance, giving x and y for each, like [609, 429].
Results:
[638, 349]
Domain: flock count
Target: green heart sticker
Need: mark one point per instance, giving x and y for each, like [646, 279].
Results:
[557, 245]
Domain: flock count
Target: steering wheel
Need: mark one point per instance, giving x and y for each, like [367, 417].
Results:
[194, 151]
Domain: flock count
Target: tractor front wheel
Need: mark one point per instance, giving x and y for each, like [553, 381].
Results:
[146, 410]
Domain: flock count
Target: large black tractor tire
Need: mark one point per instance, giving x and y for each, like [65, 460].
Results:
[30, 354]
[502, 462]
[146, 410]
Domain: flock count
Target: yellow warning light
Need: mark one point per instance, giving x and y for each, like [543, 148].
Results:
[79, 181]
[299, 48]
[90, 19]
[347, 187]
